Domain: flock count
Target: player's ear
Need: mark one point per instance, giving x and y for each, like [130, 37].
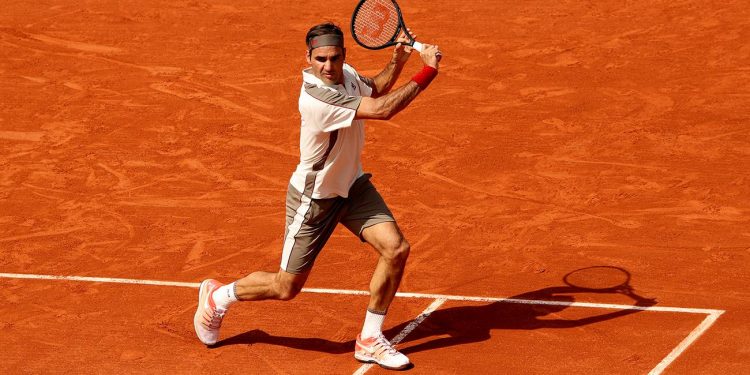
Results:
[343, 53]
[308, 57]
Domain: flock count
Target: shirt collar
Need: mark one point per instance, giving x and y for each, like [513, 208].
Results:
[309, 77]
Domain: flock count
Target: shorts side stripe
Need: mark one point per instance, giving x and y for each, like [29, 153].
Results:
[294, 228]
[305, 204]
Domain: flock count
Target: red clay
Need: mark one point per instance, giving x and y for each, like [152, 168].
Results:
[155, 140]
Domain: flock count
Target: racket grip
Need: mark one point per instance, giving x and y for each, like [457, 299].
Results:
[419, 47]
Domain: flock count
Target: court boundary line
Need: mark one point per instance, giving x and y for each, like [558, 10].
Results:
[711, 318]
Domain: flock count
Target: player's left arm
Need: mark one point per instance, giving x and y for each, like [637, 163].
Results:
[382, 83]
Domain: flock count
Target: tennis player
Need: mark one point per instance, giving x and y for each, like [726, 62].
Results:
[329, 187]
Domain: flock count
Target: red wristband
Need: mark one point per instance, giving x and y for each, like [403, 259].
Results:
[425, 76]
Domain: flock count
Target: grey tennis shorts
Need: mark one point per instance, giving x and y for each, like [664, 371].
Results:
[310, 222]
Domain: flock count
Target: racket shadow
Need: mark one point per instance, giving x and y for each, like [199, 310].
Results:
[470, 324]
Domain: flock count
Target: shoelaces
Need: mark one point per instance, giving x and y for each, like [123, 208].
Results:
[216, 318]
[382, 341]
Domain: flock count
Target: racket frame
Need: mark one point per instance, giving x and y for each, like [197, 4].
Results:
[392, 42]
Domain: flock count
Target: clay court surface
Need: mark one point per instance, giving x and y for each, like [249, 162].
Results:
[154, 140]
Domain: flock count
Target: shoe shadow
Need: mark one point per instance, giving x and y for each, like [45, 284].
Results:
[258, 336]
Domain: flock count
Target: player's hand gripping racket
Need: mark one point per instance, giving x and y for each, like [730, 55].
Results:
[377, 24]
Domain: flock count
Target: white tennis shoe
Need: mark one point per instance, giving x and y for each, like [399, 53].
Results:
[208, 317]
[379, 350]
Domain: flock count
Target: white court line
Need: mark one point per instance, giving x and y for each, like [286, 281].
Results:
[407, 330]
[99, 280]
[713, 314]
[448, 297]
[677, 351]
[366, 293]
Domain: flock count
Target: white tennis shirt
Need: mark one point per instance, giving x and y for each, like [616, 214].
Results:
[331, 140]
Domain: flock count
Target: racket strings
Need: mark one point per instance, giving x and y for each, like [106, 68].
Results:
[376, 22]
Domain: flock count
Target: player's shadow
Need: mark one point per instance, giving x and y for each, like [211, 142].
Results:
[474, 323]
[464, 324]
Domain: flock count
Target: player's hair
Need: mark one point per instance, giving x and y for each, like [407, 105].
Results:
[325, 28]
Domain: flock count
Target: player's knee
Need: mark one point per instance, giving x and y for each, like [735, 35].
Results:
[287, 291]
[398, 251]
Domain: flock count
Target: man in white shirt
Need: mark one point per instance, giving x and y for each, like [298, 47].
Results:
[328, 187]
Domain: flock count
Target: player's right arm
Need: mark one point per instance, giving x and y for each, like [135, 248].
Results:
[386, 106]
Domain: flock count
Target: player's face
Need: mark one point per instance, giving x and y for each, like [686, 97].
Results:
[328, 64]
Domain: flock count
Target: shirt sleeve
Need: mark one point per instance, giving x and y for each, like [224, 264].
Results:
[329, 110]
[364, 86]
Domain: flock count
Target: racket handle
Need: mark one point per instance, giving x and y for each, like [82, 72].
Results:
[419, 47]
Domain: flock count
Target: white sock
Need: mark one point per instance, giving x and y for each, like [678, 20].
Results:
[373, 325]
[224, 296]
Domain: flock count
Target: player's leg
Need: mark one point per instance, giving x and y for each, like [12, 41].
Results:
[259, 285]
[310, 223]
[369, 217]
[386, 238]
[371, 344]
[214, 298]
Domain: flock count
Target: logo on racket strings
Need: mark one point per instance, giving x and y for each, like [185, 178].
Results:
[381, 16]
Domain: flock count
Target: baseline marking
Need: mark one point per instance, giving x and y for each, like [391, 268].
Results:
[99, 280]
[439, 299]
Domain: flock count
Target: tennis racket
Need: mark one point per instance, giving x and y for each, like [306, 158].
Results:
[376, 24]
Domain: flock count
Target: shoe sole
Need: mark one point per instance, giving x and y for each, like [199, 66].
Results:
[365, 359]
[197, 316]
